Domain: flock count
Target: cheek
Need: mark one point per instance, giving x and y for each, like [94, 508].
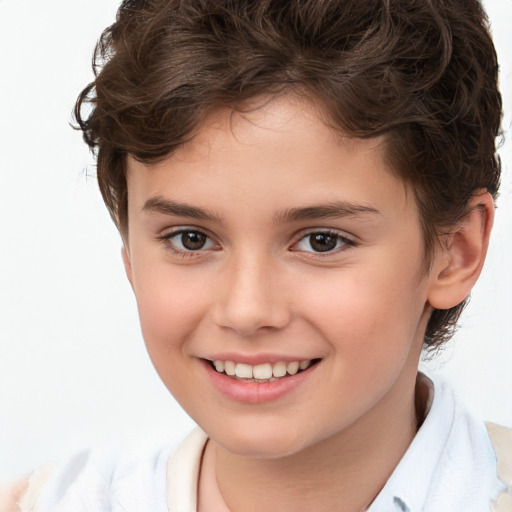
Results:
[375, 310]
[170, 307]
[170, 310]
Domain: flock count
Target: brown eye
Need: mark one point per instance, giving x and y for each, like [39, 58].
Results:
[193, 240]
[323, 242]
[188, 242]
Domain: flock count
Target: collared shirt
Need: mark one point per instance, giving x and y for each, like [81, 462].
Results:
[449, 467]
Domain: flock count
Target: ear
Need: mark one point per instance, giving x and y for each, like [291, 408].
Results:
[457, 265]
[125, 253]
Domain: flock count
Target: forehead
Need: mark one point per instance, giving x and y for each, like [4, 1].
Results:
[279, 148]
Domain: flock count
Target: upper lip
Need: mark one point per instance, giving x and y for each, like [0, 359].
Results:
[255, 359]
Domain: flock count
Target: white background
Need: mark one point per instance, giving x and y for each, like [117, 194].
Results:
[73, 368]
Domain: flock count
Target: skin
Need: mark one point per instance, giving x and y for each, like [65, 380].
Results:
[258, 289]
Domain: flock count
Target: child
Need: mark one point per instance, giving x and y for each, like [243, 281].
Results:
[305, 194]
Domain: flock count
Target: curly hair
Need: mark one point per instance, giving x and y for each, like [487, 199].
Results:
[423, 73]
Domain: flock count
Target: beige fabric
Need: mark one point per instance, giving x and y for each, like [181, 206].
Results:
[32, 491]
[11, 494]
[501, 439]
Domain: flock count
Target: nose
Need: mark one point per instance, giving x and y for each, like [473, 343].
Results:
[252, 297]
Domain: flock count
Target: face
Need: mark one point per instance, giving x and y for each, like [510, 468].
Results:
[278, 271]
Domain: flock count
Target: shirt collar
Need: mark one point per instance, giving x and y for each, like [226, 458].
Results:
[450, 464]
[407, 488]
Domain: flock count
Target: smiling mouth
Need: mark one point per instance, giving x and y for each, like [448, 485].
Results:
[266, 372]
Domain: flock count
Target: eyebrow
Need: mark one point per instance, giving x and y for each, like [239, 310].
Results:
[338, 209]
[335, 210]
[167, 207]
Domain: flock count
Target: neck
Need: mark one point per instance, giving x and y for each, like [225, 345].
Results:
[349, 468]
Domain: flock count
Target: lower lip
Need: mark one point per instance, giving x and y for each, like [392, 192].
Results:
[256, 392]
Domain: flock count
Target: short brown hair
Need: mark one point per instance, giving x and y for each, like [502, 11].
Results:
[421, 72]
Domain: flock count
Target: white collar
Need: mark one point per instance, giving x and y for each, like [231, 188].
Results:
[183, 473]
[450, 465]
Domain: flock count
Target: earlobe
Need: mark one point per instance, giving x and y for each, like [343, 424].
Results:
[127, 264]
[459, 262]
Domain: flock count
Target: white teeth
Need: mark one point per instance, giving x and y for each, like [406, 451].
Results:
[304, 364]
[230, 368]
[279, 369]
[262, 371]
[292, 368]
[243, 371]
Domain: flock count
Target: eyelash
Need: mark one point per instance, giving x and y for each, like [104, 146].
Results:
[166, 240]
[347, 243]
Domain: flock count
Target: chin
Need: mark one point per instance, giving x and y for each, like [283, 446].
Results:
[261, 449]
[261, 443]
